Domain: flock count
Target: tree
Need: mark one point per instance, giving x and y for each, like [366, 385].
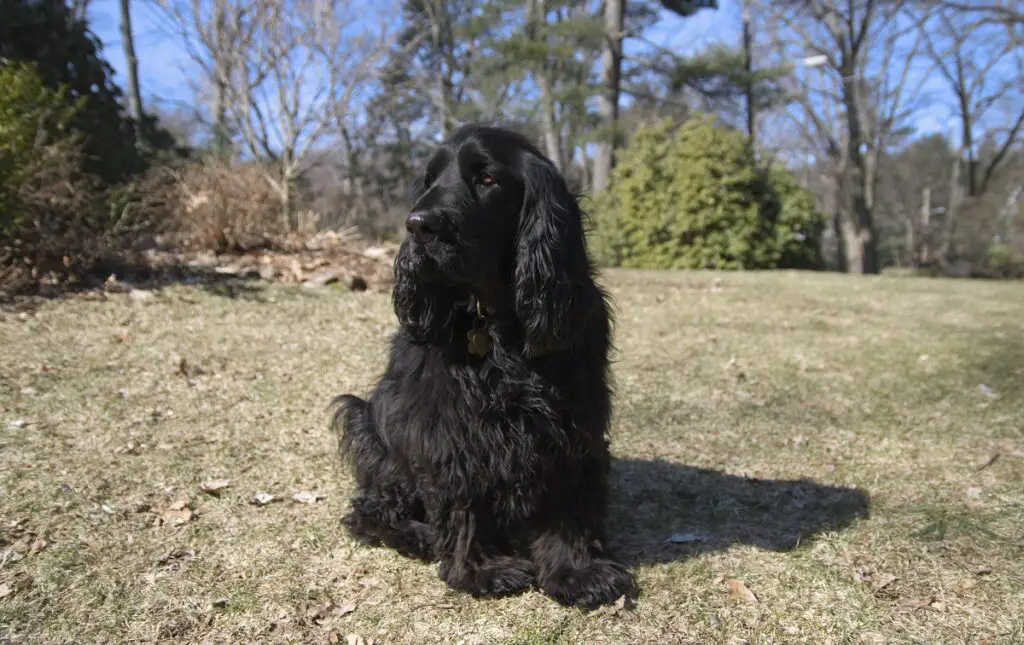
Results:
[967, 53]
[859, 107]
[693, 197]
[132, 71]
[67, 56]
[214, 33]
[284, 72]
[446, 61]
[915, 191]
[614, 14]
[608, 100]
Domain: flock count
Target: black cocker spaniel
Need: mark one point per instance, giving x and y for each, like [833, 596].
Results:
[483, 446]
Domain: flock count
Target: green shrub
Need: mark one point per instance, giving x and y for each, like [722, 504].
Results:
[800, 225]
[692, 197]
[55, 219]
[1003, 261]
[34, 122]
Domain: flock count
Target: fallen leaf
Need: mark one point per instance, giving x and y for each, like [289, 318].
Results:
[5, 590]
[130, 448]
[306, 497]
[108, 509]
[175, 515]
[739, 591]
[621, 604]
[177, 518]
[29, 544]
[938, 605]
[318, 614]
[262, 499]
[983, 570]
[916, 603]
[987, 391]
[344, 609]
[883, 581]
[214, 486]
[968, 584]
[220, 603]
[178, 505]
[176, 555]
[29, 391]
[38, 544]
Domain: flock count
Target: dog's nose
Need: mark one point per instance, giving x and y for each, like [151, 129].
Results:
[423, 224]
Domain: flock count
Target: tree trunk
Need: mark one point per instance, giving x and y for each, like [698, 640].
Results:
[132, 71]
[858, 226]
[286, 205]
[748, 69]
[924, 254]
[608, 101]
[952, 209]
[552, 140]
[972, 164]
[855, 249]
[221, 137]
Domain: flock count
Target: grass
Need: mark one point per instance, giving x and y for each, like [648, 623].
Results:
[850, 449]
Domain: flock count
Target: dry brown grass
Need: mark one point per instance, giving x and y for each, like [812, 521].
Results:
[210, 205]
[824, 435]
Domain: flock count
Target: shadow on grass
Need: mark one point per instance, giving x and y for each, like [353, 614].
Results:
[707, 511]
[146, 277]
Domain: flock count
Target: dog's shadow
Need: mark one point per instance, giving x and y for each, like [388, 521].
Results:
[663, 512]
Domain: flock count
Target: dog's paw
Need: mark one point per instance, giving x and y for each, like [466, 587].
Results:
[490, 579]
[600, 583]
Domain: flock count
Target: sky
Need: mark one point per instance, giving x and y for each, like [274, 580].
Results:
[165, 76]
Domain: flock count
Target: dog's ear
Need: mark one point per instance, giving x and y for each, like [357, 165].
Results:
[426, 311]
[554, 285]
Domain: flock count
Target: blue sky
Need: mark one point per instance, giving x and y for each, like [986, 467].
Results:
[164, 66]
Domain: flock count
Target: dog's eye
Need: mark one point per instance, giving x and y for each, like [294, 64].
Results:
[486, 179]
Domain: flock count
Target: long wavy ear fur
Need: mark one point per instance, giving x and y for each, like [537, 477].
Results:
[555, 290]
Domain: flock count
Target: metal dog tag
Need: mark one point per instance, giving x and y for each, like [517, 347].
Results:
[479, 342]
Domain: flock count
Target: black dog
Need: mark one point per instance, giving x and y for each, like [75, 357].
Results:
[483, 445]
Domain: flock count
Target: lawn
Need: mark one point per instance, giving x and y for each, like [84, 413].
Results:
[801, 458]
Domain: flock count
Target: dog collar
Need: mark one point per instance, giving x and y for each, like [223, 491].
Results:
[479, 339]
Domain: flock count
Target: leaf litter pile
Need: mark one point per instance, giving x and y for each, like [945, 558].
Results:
[799, 459]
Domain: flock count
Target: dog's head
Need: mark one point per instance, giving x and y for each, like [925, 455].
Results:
[494, 221]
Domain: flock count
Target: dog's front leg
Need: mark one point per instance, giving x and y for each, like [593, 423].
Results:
[572, 566]
[468, 564]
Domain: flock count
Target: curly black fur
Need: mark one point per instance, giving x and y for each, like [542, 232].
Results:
[496, 466]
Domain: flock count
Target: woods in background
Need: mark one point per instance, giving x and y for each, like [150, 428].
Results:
[330, 106]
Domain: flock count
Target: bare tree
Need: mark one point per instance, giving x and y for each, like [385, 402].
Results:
[1005, 12]
[132, 63]
[608, 100]
[309, 62]
[855, 101]
[965, 52]
[283, 73]
[536, 31]
[213, 34]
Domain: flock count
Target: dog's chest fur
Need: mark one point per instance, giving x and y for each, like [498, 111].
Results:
[479, 431]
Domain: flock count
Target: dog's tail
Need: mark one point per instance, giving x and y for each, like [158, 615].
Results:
[348, 417]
